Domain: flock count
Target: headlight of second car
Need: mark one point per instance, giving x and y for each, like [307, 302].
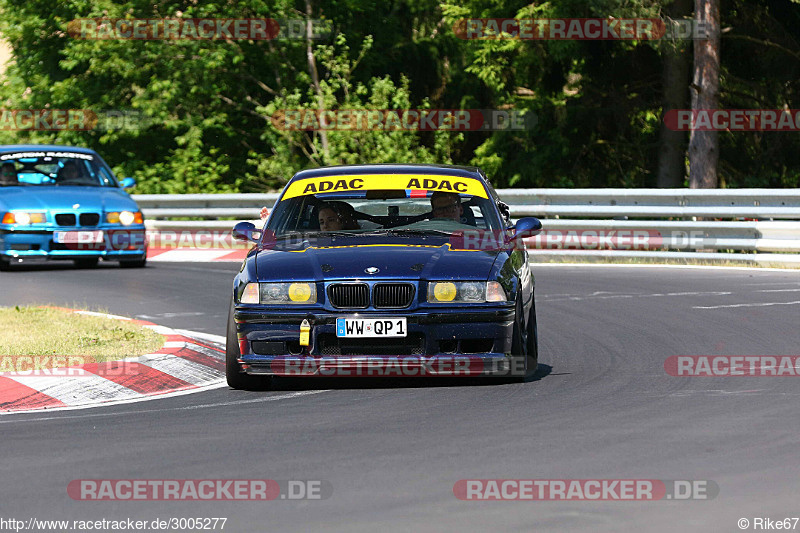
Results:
[465, 292]
[279, 293]
[126, 218]
[24, 218]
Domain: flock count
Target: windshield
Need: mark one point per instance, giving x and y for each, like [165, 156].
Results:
[55, 168]
[408, 211]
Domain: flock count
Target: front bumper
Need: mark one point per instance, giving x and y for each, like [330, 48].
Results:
[444, 342]
[40, 244]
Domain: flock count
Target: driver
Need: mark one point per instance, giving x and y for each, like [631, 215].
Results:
[8, 174]
[69, 171]
[446, 205]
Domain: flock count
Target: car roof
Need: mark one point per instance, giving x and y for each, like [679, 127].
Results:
[47, 147]
[391, 168]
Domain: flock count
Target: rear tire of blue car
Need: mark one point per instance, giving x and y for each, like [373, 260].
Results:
[233, 372]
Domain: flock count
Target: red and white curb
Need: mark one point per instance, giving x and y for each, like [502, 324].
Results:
[196, 255]
[184, 364]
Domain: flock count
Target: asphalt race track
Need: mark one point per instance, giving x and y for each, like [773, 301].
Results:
[602, 406]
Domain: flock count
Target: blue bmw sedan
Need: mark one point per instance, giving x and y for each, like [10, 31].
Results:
[384, 270]
[62, 202]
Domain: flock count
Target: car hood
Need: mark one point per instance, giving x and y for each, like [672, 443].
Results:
[345, 259]
[64, 197]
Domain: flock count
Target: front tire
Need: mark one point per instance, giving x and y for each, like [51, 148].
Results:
[136, 263]
[233, 372]
[525, 346]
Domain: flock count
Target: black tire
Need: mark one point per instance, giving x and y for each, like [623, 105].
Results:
[233, 373]
[136, 263]
[86, 262]
[533, 342]
[525, 347]
[5, 264]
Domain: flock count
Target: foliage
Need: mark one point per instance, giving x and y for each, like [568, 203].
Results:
[208, 104]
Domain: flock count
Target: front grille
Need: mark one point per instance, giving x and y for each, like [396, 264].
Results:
[65, 219]
[89, 219]
[349, 295]
[392, 295]
[414, 344]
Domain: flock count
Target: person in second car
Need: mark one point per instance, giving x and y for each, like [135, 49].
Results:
[8, 174]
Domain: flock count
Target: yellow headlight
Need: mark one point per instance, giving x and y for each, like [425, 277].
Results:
[302, 292]
[444, 292]
[112, 218]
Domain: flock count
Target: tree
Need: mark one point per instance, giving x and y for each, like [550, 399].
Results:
[704, 145]
[672, 144]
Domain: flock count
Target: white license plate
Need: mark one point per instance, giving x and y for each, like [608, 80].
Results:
[78, 237]
[371, 327]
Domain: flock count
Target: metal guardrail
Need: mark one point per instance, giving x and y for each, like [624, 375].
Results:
[611, 222]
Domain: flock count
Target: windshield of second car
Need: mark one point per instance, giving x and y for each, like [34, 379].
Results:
[54, 168]
[384, 210]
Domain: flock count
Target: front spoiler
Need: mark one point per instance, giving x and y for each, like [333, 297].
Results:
[445, 365]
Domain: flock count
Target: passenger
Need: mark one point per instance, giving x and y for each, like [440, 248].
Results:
[334, 216]
[8, 174]
[446, 205]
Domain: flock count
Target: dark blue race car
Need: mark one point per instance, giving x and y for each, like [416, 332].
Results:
[384, 270]
[62, 202]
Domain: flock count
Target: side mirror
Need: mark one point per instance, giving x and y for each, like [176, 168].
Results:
[526, 227]
[246, 231]
[127, 183]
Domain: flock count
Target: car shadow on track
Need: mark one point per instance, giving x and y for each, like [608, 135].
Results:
[328, 383]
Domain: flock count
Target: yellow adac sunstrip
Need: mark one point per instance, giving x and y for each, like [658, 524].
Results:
[374, 182]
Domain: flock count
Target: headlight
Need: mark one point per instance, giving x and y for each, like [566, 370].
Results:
[465, 291]
[24, 218]
[126, 218]
[279, 293]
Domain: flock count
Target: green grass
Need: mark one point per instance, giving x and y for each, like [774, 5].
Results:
[47, 331]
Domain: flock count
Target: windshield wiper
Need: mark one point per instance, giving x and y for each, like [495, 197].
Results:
[409, 231]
